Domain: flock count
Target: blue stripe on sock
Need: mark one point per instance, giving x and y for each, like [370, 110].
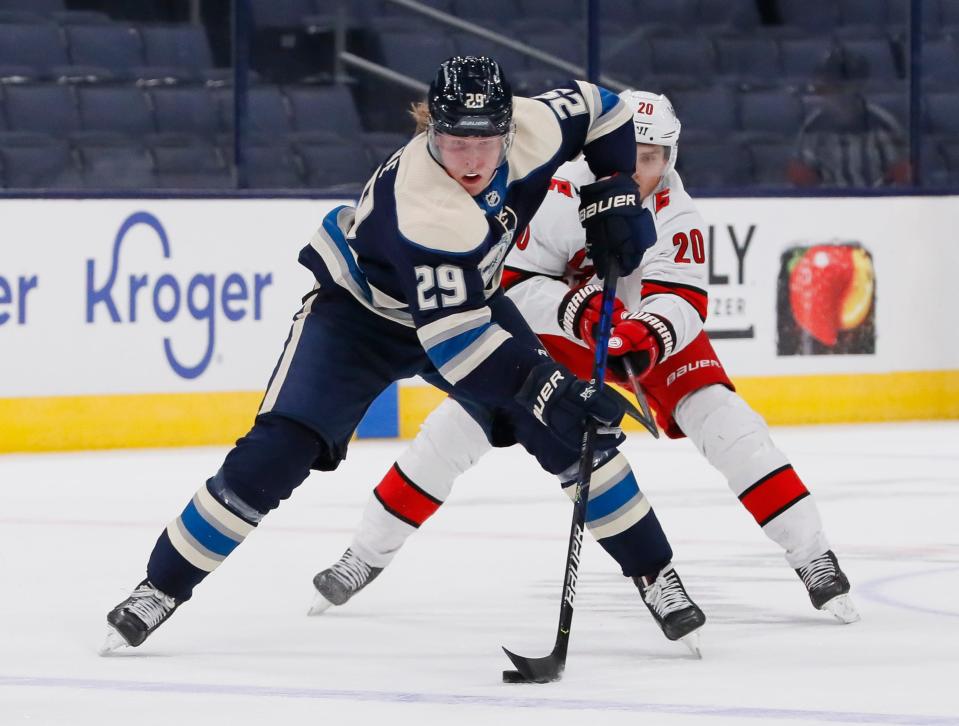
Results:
[205, 533]
[612, 499]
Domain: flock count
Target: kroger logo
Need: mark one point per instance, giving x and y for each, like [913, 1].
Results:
[167, 297]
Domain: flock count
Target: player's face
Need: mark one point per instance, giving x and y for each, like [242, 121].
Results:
[470, 160]
[650, 167]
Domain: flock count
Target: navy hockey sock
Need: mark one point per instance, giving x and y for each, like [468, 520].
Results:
[194, 544]
[262, 469]
[619, 516]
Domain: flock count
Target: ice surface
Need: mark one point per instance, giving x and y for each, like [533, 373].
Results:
[422, 644]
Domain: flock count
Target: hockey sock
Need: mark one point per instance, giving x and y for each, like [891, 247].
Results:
[449, 443]
[194, 544]
[619, 516]
[736, 440]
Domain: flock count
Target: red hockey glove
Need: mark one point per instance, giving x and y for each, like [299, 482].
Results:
[643, 337]
[580, 310]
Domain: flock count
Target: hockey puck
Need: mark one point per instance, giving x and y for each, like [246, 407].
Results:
[513, 677]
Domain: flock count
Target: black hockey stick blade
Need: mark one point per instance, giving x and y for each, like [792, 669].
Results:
[646, 419]
[631, 411]
[538, 670]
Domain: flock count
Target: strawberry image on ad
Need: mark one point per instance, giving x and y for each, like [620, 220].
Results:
[826, 300]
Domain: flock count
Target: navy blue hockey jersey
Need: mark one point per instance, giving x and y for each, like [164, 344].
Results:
[419, 250]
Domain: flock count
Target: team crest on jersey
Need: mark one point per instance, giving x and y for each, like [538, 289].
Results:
[492, 198]
[493, 260]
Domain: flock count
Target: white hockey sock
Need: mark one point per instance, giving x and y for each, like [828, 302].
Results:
[735, 440]
[448, 443]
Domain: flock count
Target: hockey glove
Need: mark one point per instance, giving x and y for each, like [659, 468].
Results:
[644, 338]
[562, 402]
[580, 310]
[617, 225]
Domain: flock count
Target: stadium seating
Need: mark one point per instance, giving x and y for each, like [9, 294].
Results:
[37, 161]
[112, 162]
[119, 89]
[776, 113]
[741, 15]
[43, 108]
[942, 113]
[31, 51]
[771, 160]
[185, 109]
[328, 108]
[707, 113]
[121, 109]
[721, 164]
[748, 59]
[189, 162]
[819, 16]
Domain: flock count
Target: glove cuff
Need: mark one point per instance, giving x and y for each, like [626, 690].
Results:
[571, 309]
[660, 329]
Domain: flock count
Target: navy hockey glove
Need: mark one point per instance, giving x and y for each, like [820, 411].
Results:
[562, 402]
[617, 226]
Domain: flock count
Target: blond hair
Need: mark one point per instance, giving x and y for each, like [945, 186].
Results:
[421, 115]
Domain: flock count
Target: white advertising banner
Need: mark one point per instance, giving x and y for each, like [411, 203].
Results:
[148, 296]
[837, 285]
[157, 296]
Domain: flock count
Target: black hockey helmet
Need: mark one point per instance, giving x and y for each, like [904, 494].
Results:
[470, 96]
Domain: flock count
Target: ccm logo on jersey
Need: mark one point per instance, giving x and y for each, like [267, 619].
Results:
[545, 393]
[690, 367]
[620, 200]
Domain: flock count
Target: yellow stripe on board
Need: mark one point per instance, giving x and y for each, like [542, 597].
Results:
[792, 400]
[196, 419]
[64, 423]
[853, 397]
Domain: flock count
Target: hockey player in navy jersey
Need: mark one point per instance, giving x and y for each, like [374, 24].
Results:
[408, 284]
[660, 315]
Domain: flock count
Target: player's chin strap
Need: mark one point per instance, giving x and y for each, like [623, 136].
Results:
[551, 667]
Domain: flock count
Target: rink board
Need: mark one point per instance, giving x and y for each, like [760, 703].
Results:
[128, 323]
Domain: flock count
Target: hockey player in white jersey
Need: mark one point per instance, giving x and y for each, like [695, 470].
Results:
[658, 325]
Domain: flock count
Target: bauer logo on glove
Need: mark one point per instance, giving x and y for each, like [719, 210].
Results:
[620, 200]
[617, 226]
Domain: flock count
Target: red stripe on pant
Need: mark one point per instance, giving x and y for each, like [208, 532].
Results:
[403, 499]
[773, 494]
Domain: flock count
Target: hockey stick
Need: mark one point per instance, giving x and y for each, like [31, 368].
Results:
[631, 410]
[551, 667]
[646, 419]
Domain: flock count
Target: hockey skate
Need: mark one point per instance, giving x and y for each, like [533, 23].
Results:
[337, 584]
[828, 587]
[675, 612]
[132, 621]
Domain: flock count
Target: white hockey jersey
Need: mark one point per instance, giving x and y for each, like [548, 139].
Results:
[550, 256]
